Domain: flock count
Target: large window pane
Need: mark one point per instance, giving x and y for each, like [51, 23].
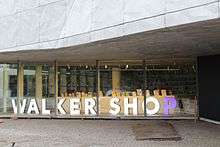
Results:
[39, 87]
[120, 81]
[178, 81]
[29, 80]
[8, 87]
[48, 87]
[48, 84]
[77, 82]
[74, 79]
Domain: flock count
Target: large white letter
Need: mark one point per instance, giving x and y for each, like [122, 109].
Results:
[44, 110]
[59, 106]
[33, 107]
[75, 106]
[89, 106]
[22, 107]
[115, 107]
[156, 105]
[132, 105]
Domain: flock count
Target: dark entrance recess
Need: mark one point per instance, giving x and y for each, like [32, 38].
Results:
[209, 87]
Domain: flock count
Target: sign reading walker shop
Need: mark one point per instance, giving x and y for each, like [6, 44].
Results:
[131, 106]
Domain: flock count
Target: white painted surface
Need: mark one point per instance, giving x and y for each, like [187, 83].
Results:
[28, 21]
[8, 29]
[7, 7]
[209, 120]
[46, 2]
[192, 15]
[134, 9]
[23, 5]
[52, 20]
[78, 12]
[175, 5]
[144, 25]
[43, 24]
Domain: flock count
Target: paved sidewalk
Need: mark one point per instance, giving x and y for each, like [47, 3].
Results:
[99, 133]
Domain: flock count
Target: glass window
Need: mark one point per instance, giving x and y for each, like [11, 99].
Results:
[106, 80]
[78, 82]
[117, 79]
[48, 85]
[178, 81]
[120, 80]
[29, 80]
[8, 87]
[74, 79]
[39, 85]
[131, 78]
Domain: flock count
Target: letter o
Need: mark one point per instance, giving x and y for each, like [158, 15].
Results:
[156, 105]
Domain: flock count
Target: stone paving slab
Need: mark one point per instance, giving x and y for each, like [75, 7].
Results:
[155, 130]
[100, 133]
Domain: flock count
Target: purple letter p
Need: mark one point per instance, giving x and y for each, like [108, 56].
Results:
[169, 103]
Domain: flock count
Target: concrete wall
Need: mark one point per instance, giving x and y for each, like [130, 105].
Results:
[41, 24]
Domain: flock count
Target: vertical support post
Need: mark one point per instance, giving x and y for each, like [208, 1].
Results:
[195, 115]
[144, 86]
[20, 84]
[63, 82]
[5, 87]
[38, 82]
[97, 85]
[116, 79]
[197, 93]
[56, 86]
[51, 80]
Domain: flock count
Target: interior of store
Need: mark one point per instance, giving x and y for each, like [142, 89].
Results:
[101, 81]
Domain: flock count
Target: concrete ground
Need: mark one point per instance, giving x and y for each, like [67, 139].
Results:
[99, 133]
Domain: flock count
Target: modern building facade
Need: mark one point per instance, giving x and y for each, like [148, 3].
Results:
[107, 58]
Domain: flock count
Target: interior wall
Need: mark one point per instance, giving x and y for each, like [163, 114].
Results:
[209, 87]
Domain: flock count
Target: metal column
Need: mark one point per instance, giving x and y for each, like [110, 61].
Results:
[20, 84]
[144, 86]
[197, 94]
[97, 85]
[55, 86]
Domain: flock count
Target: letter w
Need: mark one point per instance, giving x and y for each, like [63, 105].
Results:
[22, 107]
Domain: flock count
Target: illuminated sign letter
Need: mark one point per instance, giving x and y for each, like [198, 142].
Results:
[59, 106]
[156, 105]
[22, 107]
[75, 106]
[169, 103]
[131, 105]
[33, 107]
[44, 110]
[115, 108]
[89, 106]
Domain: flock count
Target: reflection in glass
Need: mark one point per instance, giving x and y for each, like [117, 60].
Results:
[8, 87]
[77, 81]
[119, 80]
[29, 81]
[73, 79]
[48, 85]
